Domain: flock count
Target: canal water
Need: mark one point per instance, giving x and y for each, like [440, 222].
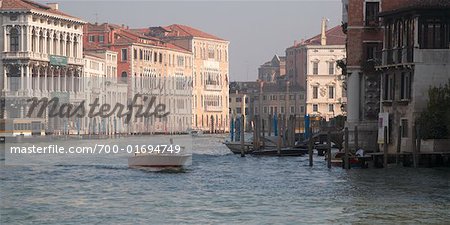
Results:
[221, 188]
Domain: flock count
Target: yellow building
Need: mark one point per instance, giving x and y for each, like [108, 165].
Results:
[210, 73]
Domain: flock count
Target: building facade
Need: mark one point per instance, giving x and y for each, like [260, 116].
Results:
[273, 70]
[41, 57]
[150, 67]
[100, 83]
[364, 45]
[318, 57]
[416, 56]
[210, 73]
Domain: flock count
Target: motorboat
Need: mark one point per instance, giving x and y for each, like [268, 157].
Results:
[159, 160]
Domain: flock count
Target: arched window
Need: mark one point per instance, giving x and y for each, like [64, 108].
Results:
[33, 41]
[14, 40]
[41, 42]
[75, 47]
[55, 44]
[48, 42]
[61, 44]
[68, 46]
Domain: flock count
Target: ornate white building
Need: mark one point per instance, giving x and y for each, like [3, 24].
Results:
[325, 94]
[41, 54]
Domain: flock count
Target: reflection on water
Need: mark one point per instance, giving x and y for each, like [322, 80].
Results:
[224, 188]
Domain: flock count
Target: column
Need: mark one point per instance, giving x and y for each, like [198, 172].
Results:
[52, 81]
[5, 79]
[22, 78]
[28, 39]
[38, 80]
[45, 79]
[72, 87]
[353, 97]
[28, 77]
[5, 39]
[22, 38]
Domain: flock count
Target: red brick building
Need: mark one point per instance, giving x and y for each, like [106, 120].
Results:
[366, 52]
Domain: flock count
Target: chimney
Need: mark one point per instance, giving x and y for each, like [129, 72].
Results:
[323, 37]
[54, 6]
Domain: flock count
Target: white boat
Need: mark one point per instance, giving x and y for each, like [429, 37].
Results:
[159, 160]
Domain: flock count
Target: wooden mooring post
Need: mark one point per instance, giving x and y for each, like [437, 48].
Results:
[242, 136]
[255, 132]
[269, 124]
[385, 148]
[279, 135]
[414, 146]
[347, 151]
[310, 148]
[399, 145]
[329, 150]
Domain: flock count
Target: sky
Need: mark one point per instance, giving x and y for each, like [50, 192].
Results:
[257, 30]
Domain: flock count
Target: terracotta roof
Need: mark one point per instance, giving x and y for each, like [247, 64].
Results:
[28, 5]
[129, 36]
[178, 30]
[335, 36]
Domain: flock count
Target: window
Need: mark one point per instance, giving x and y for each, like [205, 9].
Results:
[135, 53]
[282, 110]
[124, 76]
[315, 68]
[372, 10]
[265, 109]
[433, 33]
[238, 110]
[373, 50]
[315, 108]
[388, 87]
[406, 86]
[291, 97]
[141, 54]
[101, 38]
[331, 68]
[14, 40]
[124, 52]
[271, 109]
[404, 128]
[238, 99]
[264, 97]
[302, 109]
[330, 108]
[315, 92]
[292, 109]
[211, 53]
[91, 38]
[331, 92]
[256, 111]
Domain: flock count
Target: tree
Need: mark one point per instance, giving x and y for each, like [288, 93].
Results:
[434, 121]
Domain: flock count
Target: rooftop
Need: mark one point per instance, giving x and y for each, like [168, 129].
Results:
[335, 36]
[27, 5]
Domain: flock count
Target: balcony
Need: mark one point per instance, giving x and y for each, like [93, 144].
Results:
[37, 56]
[211, 87]
[210, 108]
[398, 56]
